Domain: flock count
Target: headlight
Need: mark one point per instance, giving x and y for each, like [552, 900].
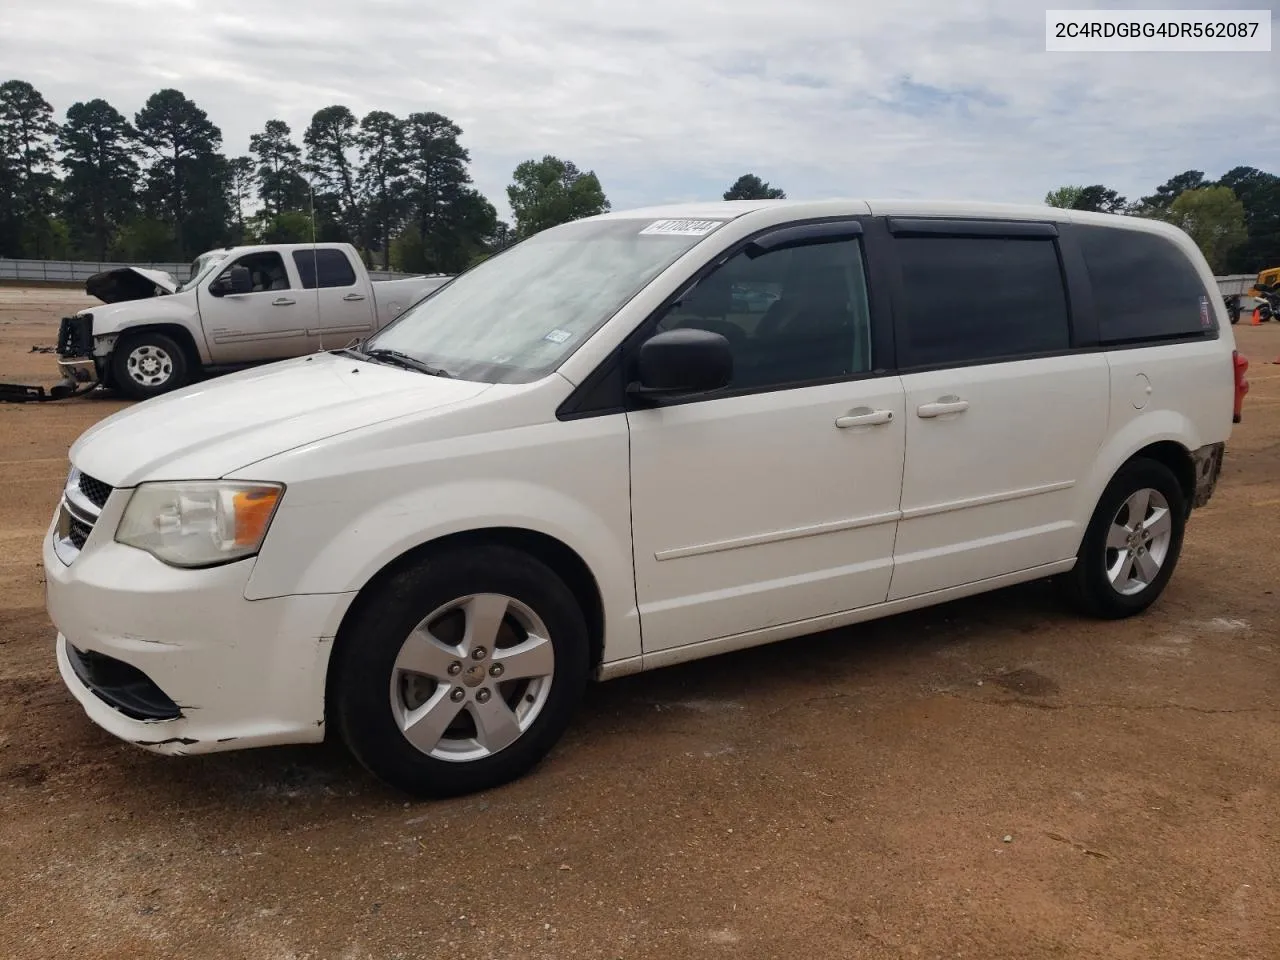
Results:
[199, 524]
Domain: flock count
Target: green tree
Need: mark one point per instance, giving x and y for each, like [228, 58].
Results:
[1096, 198]
[144, 240]
[452, 219]
[291, 226]
[27, 137]
[381, 140]
[331, 141]
[1157, 205]
[99, 155]
[750, 187]
[186, 182]
[281, 185]
[1064, 198]
[1214, 218]
[552, 191]
[1100, 199]
[242, 181]
[1260, 194]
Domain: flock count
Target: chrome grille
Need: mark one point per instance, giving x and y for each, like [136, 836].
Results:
[94, 490]
[82, 500]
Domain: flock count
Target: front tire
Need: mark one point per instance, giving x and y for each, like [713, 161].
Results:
[1132, 544]
[147, 364]
[461, 673]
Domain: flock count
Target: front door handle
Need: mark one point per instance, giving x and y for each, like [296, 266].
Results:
[942, 406]
[353, 297]
[283, 302]
[864, 417]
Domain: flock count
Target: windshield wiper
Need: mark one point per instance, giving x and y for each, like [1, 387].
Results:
[404, 360]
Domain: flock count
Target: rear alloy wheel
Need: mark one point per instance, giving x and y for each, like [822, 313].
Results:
[1132, 544]
[148, 364]
[462, 673]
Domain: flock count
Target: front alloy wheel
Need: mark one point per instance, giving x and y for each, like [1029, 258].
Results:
[472, 677]
[460, 673]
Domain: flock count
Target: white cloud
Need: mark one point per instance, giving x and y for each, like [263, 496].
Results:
[670, 100]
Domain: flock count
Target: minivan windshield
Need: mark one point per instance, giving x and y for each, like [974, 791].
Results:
[515, 317]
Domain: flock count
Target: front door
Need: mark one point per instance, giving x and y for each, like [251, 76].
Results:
[269, 323]
[1003, 418]
[778, 501]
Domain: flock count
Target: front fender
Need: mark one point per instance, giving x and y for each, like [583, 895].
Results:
[111, 320]
[328, 539]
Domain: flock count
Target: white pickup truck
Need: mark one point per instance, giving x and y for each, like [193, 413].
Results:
[241, 306]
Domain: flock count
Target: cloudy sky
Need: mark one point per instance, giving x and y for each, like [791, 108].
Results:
[671, 100]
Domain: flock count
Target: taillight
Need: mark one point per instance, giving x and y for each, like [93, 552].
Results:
[1241, 365]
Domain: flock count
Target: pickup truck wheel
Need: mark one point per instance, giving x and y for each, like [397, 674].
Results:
[1132, 544]
[462, 673]
[148, 364]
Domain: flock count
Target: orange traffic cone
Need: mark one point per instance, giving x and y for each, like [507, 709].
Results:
[1257, 317]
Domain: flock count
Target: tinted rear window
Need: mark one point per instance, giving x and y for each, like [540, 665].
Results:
[1144, 287]
[333, 266]
[969, 299]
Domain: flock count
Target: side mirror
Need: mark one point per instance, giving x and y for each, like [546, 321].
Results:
[681, 363]
[235, 280]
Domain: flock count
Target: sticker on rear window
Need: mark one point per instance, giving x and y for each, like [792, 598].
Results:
[680, 228]
[1204, 313]
[558, 336]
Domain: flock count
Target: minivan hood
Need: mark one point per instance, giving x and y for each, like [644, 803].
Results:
[129, 283]
[207, 430]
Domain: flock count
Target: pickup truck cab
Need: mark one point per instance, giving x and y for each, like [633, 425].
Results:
[635, 440]
[241, 306]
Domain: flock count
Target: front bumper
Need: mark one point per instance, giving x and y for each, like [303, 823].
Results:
[234, 673]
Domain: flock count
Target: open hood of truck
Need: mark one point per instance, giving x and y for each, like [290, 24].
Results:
[209, 429]
[129, 283]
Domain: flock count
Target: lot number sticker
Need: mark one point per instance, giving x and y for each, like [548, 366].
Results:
[680, 228]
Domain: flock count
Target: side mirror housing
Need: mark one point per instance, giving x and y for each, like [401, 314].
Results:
[235, 280]
[682, 363]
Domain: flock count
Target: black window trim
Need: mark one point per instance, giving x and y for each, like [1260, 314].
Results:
[1031, 231]
[970, 227]
[603, 391]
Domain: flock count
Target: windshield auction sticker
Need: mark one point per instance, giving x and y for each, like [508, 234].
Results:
[680, 228]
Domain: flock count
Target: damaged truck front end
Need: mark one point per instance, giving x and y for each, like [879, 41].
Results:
[80, 372]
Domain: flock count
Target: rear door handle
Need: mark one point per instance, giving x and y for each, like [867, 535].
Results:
[942, 406]
[352, 297]
[864, 417]
[283, 302]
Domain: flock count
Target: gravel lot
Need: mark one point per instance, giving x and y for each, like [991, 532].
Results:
[993, 778]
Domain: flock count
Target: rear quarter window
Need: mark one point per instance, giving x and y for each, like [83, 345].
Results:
[1144, 287]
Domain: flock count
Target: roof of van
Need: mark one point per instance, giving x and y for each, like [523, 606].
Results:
[732, 209]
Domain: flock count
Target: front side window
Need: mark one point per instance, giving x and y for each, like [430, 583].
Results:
[265, 269]
[792, 316]
[1144, 287]
[331, 267]
[518, 315]
[972, 299]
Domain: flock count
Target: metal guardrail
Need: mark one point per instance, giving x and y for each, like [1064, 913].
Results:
[78, 271]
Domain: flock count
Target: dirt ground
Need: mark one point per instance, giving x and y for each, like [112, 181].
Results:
[993, 778]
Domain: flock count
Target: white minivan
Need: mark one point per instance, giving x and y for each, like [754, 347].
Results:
[635, 440]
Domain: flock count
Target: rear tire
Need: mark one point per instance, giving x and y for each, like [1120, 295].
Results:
[147, 364]
[461, 673]
[1132, 543]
